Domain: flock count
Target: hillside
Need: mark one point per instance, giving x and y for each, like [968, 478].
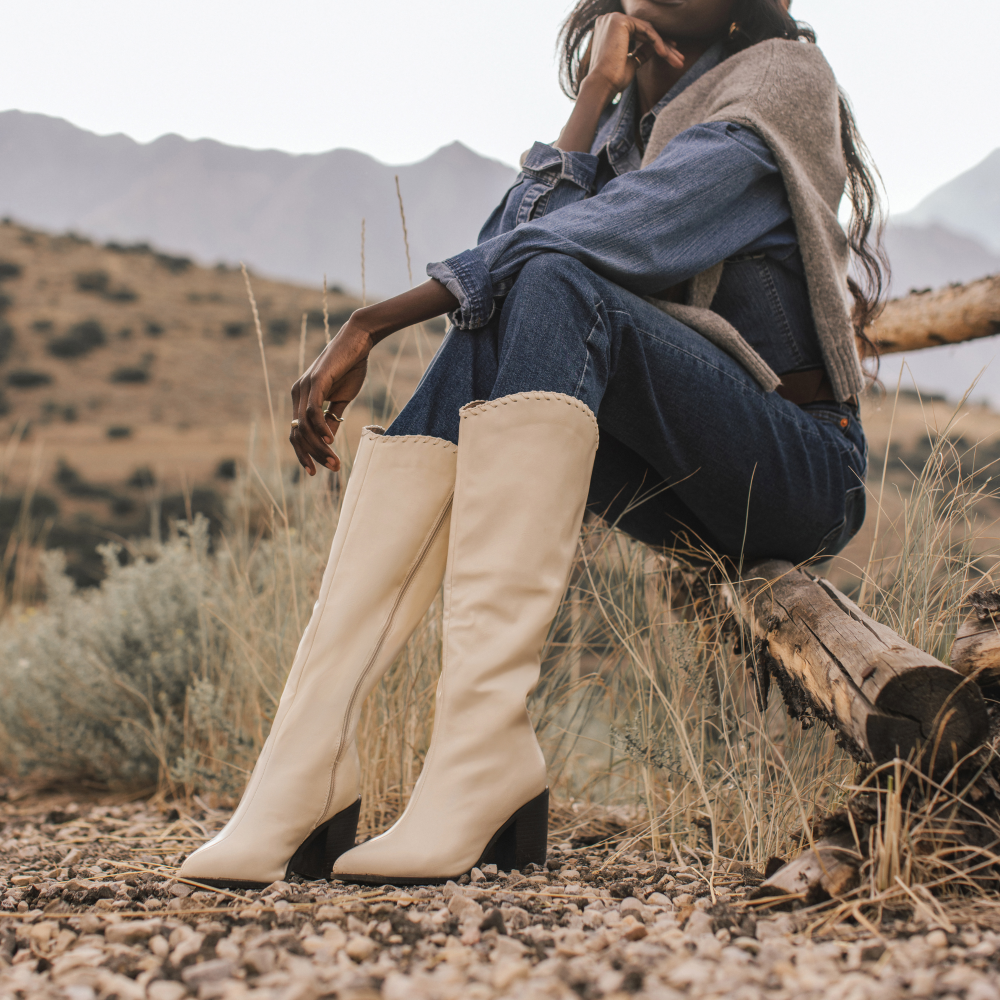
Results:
[292, 217]
[131, 377]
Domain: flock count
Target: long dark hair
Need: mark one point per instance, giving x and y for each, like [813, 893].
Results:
[756, 21]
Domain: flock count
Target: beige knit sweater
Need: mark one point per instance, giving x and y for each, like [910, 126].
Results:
[785, 92]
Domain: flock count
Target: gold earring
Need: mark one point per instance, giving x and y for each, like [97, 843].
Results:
[734, 28]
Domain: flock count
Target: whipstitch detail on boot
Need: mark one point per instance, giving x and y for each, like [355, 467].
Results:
[480, 407]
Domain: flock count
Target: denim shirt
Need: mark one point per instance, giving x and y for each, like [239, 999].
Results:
[714, 193]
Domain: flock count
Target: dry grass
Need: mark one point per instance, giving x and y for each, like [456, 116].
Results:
[645, 707]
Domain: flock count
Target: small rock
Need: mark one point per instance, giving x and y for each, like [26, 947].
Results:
[166, 989]
[129, 932]
[508, 971]
[635, 932]
[360, 948]
[937, 939]
[207, 972]
[284, 912]
[494, 921]
[159, 946]
[658, 899]
[633, 906]
[476, 875]
[180, 890]
[698, 923]
[489, 869]
[982, 989]
[463, 907]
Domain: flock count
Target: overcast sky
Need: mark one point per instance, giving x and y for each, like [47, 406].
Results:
[400, 78]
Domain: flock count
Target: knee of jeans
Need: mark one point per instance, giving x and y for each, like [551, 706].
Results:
[549, 274]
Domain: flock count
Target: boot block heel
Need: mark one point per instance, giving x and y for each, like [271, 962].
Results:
[315, 857]
[522, 840]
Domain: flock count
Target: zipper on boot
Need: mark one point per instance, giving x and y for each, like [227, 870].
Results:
[380, 641]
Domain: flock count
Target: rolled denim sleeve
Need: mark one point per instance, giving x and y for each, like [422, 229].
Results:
[713, 191]
[549, 179]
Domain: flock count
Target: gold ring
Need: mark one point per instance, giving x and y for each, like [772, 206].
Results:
[638, 61]
[327, 412]
[295, 423]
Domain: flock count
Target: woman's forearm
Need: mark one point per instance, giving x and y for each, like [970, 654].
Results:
[578, 134]
[415, 306]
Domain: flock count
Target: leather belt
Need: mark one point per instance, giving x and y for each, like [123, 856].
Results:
[811, 386]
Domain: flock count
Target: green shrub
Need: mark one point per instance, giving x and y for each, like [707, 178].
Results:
[175, 265]
[7, 338]
[122, 294]
[153, 329]
[5, 303]
[96, 282]
[202, 502]
[26, 378]
[130, 374]
[226, 469]
[80, 339]
[134, 248]
[73, 484]
[118, 432]
[142, 478]
[123, 506]
[277, 330]
[234, 329]
[94, 686]
[41, 507]
[337, 318]
[42, 326]
[8, 269]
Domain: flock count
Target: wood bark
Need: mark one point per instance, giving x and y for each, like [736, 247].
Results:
[976, 651]
[830, 868]
[949, 315]
[884, 697]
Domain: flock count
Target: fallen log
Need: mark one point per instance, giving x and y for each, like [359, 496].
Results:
[884, 697]
[976, 650]
[949, 315]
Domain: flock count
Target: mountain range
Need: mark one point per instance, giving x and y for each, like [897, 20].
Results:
[291, 217]
[299, 217]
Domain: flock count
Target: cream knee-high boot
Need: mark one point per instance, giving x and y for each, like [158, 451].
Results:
[524, 465]
[300, 808]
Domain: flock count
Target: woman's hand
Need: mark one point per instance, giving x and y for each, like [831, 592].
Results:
[620, 45]
[339, 372]
[336, 375]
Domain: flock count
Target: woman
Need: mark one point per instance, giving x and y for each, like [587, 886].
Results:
[659, 307]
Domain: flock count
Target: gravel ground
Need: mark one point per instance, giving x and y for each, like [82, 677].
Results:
[89, 909]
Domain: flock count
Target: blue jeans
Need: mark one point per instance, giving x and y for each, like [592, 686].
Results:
[691, 448]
